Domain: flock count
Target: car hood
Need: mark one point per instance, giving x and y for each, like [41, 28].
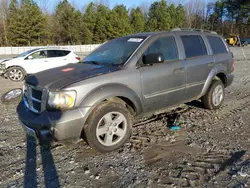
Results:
[57, 78]
[4, 60]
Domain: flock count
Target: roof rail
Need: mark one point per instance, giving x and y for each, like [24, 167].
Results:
[193, 29]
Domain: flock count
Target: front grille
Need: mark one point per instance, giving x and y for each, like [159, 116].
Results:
[37, 94]
[37, 106]
[33, 98]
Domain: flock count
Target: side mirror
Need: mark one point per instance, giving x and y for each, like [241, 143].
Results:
[30, 57]
[153, 58]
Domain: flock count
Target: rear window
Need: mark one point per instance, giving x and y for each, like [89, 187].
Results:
[217, 45]
[194, 46]
[58, 53]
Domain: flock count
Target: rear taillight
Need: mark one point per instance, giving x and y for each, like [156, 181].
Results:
[78, 58]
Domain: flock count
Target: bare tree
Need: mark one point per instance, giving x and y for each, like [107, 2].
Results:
[175, 2]
[102, 2]
[196, 13]
[145, 8]
[44, 5]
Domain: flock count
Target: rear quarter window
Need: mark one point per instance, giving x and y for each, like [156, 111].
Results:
[58, 53]
[194, 46]
[65, 52]
[217, 45]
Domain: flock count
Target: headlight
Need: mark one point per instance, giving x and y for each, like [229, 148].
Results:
[61, 100]
[2, 66]
[24, 88]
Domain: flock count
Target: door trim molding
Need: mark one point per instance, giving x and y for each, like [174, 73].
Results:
[195, 84]
[164, 92]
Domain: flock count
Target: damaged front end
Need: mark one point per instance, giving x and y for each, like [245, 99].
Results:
[3, 70]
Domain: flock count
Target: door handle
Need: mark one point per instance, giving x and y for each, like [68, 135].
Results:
[211, 64]
[45, 60]
[179, 70]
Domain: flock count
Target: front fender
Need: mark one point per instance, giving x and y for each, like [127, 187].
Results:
[215, 71]
[103, 92]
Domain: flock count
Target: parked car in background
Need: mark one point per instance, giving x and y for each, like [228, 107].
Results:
[248, 40]
[36, 60]
[244, 42]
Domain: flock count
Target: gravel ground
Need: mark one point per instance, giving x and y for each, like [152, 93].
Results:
[210, 150]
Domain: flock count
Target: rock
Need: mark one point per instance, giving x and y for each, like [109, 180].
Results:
[87, 171]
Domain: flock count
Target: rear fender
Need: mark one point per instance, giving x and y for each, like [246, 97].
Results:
[212, 75]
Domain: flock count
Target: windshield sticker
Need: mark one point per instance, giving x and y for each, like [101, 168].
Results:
[67, 70]
[135, 40]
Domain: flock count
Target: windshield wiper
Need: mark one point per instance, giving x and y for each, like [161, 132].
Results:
[93, 62]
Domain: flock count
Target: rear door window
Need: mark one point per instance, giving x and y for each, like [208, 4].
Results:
[217, 45]
[194, 46]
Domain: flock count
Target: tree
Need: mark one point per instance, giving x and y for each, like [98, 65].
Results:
[69, 22]
[137, 20]
[120, 22]
[3, 22]
[180, 16]
[172, 12]
[44, 5]
[159, 17]
[90, 18]
[26, 23]
[103, 29]
[23, 23]
[14, 21]
[195, 14]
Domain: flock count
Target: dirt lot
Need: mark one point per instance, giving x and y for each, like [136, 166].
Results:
[210, 150]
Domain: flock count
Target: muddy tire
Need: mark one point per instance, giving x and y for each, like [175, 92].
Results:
[12, 97]
[16, 74]
[214, 96]
[108, 127]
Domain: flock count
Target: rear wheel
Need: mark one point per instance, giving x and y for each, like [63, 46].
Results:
[108, 127]
[16, 74]
[214, 96]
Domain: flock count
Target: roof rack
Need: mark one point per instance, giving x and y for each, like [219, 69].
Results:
[193, 29]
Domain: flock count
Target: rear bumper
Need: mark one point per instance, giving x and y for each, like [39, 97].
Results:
[230, 78]
[53, 125]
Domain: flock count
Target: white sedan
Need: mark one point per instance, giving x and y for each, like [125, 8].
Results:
[36, 60]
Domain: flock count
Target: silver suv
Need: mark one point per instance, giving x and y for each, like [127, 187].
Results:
[134, 75]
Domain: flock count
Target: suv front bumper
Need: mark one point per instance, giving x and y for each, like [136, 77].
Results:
[56, 125]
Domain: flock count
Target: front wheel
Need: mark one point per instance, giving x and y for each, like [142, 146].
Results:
[12, 96]
[214, 96]
[16, 74]
[108, 127]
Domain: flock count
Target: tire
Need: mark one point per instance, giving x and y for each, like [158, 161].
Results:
[12, 97]
[110, 136]
[211, 103]
[16, 74]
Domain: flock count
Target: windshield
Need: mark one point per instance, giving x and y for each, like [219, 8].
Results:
[26, 53]
[115, 52]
